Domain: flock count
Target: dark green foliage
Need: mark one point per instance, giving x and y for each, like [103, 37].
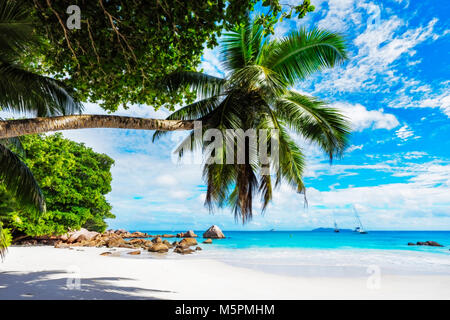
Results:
[5, 240]
[74, 180]
[24, 91]
[19, 180]
[124, 48]
[20, 89]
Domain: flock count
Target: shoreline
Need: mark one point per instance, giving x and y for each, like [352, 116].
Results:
[342, 263]
[42, 272]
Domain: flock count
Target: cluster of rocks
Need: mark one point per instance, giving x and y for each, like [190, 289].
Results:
[426, 243]
[125, 234]
[187, 234]
[161, 246]
[136, 240]
[85, 238]
[130, 240]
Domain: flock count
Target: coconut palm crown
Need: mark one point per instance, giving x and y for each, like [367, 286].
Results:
[257, 94]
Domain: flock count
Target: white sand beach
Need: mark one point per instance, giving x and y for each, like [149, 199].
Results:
[48, 273]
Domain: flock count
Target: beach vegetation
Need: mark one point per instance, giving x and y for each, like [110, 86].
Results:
[74, 181]
[5, 240]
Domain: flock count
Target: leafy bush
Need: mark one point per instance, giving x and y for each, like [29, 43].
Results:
[5, 237]
[74, 180]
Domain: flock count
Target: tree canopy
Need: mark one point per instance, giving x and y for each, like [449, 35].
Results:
[123, 48]
[74, 180]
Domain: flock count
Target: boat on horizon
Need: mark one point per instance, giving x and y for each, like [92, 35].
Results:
[336, 229]
[359, 228]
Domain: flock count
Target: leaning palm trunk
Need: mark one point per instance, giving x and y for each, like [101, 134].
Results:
[16, 128]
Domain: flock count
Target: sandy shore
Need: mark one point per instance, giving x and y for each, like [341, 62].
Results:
[49, 273]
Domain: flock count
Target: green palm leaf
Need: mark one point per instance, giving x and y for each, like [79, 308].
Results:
[24, 91]
[292, 161]
[202, 84]
[303, 52]
[15, 144]
[265, 188]
[242, 46]
[258, 77]
[234, 50]
[194, 111]
[19, 180]
[315, 121]
[20, 89]
[16, 29]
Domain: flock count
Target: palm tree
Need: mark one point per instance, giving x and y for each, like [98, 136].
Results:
[23, 91]
[256, 95]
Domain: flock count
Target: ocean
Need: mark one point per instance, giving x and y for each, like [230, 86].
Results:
[383, 240]
[325, 253]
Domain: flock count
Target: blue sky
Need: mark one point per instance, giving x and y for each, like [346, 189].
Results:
[395, 88]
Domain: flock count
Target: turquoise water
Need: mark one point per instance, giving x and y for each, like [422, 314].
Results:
[383, 240]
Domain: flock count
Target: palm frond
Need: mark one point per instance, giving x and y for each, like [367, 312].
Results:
[219, 180]
[292, 161]
[242, 46]
[19, 180]
[254, 40]
[193, 111]
[24, 91]
[202, 84]
[241, 198]
[16, 29]
[256, 77]
[303, 52]
[234, 51]
[265, 188]
[228, 115]
[14, 143]
[314, 120]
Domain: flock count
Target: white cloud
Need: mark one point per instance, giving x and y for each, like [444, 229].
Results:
[338, 14]
[441, 101]
[353, 148]
[415, 155]
[420, 203]
[210, 62]
[382, 42]
[361, 118]
[415, 96]
[404, 133]
[166, 180]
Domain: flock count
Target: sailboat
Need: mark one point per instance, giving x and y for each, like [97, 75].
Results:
[336, 229]
[359, 227]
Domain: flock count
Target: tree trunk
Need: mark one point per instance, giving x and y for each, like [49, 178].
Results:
[20, 127]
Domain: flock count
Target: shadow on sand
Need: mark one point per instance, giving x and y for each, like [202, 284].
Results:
[40, 285]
